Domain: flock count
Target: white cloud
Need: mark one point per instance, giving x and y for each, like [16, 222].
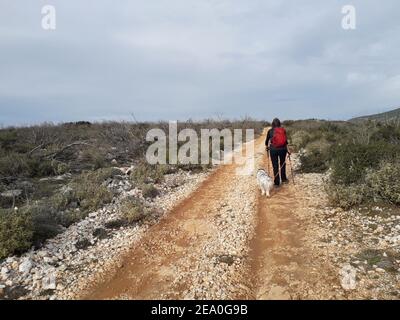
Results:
[390, 88]
[189, 58]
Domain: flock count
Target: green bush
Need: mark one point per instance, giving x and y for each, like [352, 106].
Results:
[67, 218]
[92, 158]
[86, 192]
[316, 157]
[314, 161]
[146, 173]
[347, 196]
[39, 168]
[387, 133]
[133, 210]
[299, 139]
[98, 176]
[33, 224]
[384, 182]
[92, 197]
[8, 139]
[60, 168]
[13, 164]
[45, 222]
[350, 161]
[116, 224]
[150, 191]
[363, 158]
[16, 231]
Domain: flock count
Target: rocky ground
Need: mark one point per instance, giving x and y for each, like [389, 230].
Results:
[317, 251]
[65, 264]
[200, 250]
[221, 264]
[362, 245]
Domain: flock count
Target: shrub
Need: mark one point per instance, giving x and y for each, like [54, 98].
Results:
[150, 191]
[44, 222]
[8, 139]
[97, 177]
[13, 165]
[86, 192]
[88, 195]
[299, 139]
[385, 259]
[350, 161]
[384, 182]
[92, 158]
[92, 197]
[39, 168]
[15, 233]
[89, 190]
[133, 210]
[83, 244]
[60, 168]
[115, 224]
[316, 157]
[146, 173]
[285, 123]
[33, 224]
[314, 161]
[347, 196]
[389, 133]
[376, 185]
[69, 217]
[100, 233]
[333, 133]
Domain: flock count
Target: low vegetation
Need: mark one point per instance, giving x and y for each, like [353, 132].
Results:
[15, 232]
[133, 210]
[52, 176]
[362, 159]
[42, 219]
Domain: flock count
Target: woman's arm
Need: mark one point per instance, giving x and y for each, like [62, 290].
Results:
[268, 137]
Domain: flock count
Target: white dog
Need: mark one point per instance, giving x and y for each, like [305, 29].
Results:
[265, 182]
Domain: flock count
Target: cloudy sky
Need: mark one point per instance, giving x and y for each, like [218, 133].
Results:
[179, 59]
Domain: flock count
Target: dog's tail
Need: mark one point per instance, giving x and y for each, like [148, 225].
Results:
[262, 171]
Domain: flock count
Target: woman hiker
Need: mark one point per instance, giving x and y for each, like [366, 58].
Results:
[276, 144]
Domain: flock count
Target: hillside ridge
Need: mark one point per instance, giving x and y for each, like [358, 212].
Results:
[383, 116]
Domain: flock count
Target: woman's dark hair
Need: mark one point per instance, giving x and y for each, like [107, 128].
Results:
[276, 123]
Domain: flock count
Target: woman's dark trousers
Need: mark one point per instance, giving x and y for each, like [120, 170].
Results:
[278, 158]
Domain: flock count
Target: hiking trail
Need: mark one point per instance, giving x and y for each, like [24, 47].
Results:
[225, 241]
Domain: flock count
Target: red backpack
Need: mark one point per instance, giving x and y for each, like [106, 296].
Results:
[279, 138]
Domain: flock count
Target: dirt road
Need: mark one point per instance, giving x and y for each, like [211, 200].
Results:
[225, 241]
[283, 259]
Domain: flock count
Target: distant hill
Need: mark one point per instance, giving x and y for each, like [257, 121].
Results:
[384, 116]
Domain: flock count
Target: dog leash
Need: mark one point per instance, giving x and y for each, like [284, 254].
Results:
[280, 168]
[291, 168]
